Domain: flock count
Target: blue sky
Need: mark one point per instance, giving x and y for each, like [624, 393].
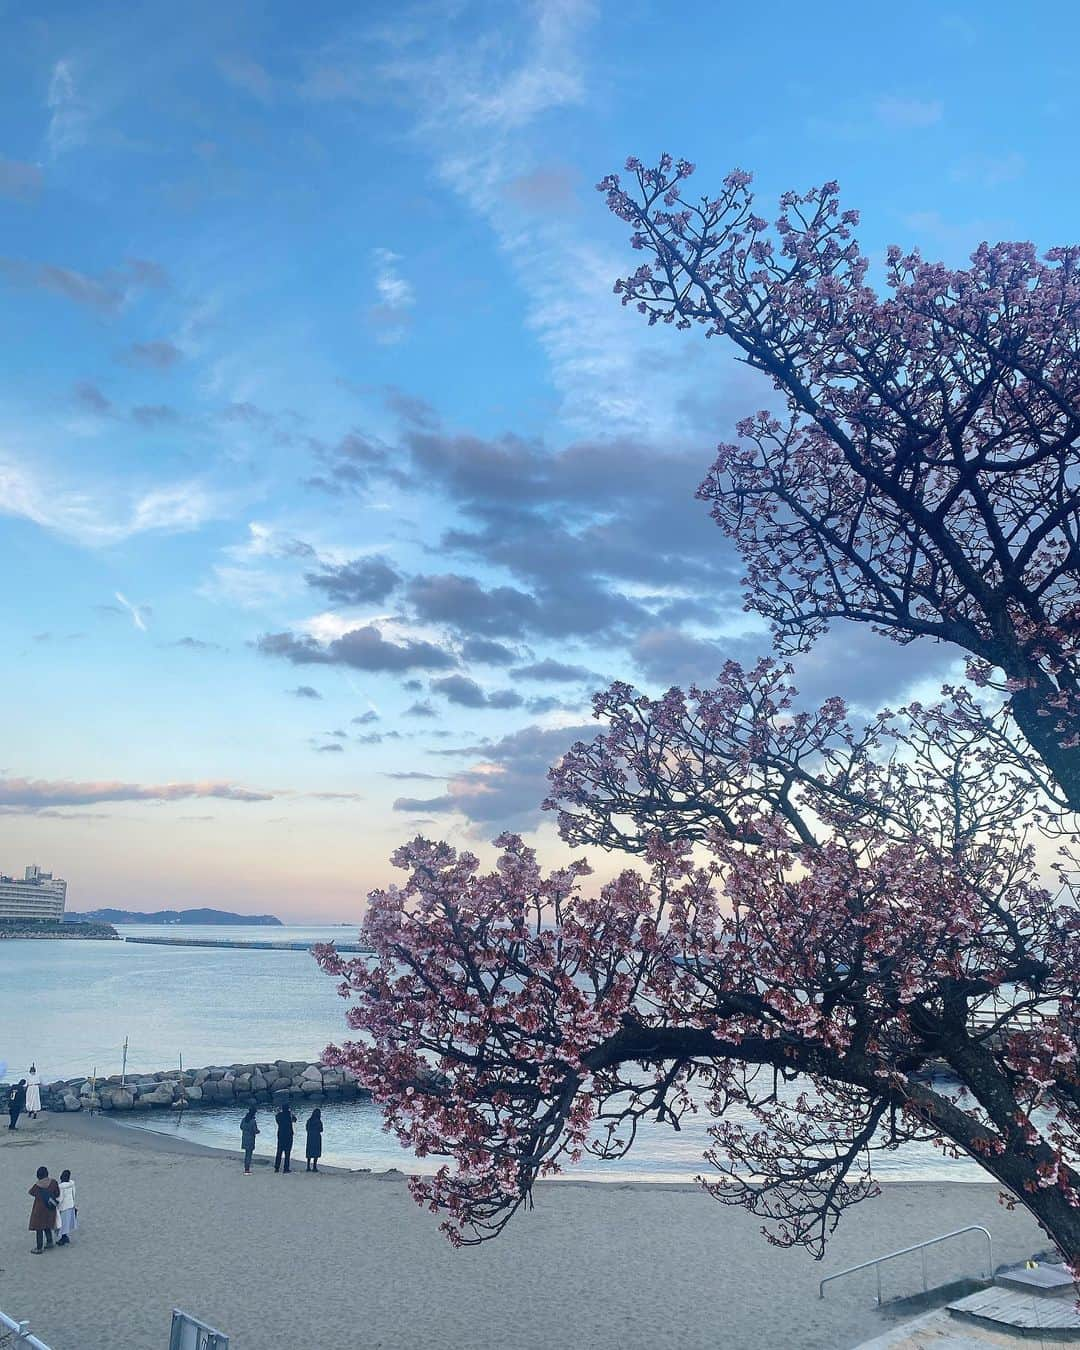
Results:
[333, 477]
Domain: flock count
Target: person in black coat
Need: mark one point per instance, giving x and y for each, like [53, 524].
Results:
[285, 1122]
[313, 1126]
[16, 1103]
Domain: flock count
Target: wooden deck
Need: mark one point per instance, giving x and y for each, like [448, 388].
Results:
[1010, 1310]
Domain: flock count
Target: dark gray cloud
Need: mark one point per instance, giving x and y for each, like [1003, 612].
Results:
[486, 652]
[551, 670]
[331, 748]
[867, 669]
[106, 293]
[668, 656]
[506, 787]
[462, 603]
[304, 691]
[504, 698]
[366, 718]
[159, 355]
[361, 581]
[685, 609]
[355, 463]
[461, 690]
[194, 644]
[154, 414]
[582, 532]
[410, 408]
[90, 398]
[412, 686]
[421, 708]
[547, 704]
[361, 649]
[467, 693]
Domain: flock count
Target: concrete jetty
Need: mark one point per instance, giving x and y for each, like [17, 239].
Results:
[347, 947]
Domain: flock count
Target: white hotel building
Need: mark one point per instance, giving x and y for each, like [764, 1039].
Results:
[39, 895]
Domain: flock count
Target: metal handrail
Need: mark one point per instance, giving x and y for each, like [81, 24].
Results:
[918, 1247]
[22, 1332]
[205, 1337]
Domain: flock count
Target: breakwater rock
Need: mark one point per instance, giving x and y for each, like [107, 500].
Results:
[50, 928]
[270, 1083]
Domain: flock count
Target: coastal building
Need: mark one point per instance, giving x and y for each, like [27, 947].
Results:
[39, 895]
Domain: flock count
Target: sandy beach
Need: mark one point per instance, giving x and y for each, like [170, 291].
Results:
[347, 1259]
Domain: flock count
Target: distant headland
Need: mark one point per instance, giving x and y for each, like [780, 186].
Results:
[193, 916]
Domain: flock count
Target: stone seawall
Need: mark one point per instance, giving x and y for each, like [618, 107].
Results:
[61, 929]
[270, 1083]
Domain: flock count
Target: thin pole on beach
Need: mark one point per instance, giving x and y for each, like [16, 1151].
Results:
[123, 1067]
[183, 1092]
[93, 1088]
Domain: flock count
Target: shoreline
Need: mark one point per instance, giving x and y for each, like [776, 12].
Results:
[167, 1222]
[124, 1128]
[127, 1134]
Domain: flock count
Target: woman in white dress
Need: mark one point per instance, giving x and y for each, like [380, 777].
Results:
[33, 1092]
[66, 1208]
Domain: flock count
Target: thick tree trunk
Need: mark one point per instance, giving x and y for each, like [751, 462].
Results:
[1015, 1169]
[1063, 763]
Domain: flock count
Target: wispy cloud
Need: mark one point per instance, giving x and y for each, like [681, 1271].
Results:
[480, 111]
[390, 316]
[32, 795]
[90, 518]
[247, 74]
[69, 111]
[991, 171]
[139, 613]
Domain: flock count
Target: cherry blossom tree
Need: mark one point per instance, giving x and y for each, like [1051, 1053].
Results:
[922, 473]
[843, 935]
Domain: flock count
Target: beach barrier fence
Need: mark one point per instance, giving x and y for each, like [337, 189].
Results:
[20, 1334]
[188, 1333]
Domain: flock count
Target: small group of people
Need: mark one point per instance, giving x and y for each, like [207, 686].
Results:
[54, 1213]
[285, 1120]
[24, 1096]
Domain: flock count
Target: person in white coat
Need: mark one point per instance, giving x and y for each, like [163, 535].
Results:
[66, 1209]
[33, 1092]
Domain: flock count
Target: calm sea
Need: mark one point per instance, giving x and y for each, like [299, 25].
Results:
[69, 1006]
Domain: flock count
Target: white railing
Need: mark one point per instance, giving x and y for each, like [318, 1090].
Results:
[22, 1333]
[918, 1247]
[188, 1333]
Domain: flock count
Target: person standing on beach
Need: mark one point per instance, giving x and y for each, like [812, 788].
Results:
[285, 1122]
[33, 1093]
[16, 1103]
[46, 1193]
[249, 1128]
[314, 1140]
[68, 1213]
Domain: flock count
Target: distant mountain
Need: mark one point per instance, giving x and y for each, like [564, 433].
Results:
[210, 916]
